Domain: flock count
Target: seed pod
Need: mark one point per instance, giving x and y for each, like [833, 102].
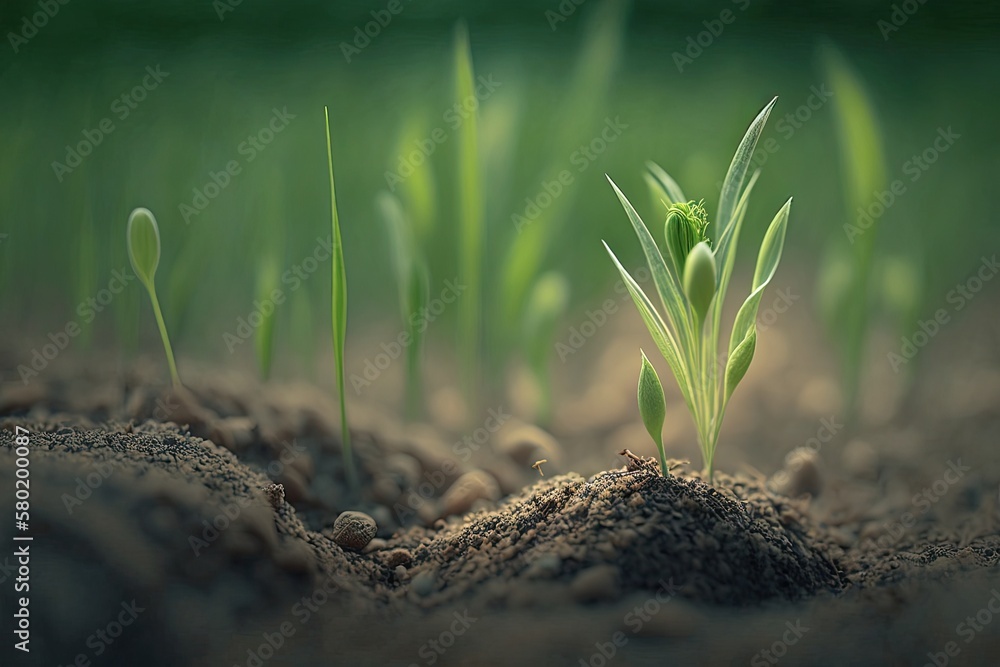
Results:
[699, 279]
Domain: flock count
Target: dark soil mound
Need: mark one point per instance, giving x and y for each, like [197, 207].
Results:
[623, 531]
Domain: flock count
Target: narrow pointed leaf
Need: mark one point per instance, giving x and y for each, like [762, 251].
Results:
[663, 185]
[739, 362]
[767, 264]
[733, 183]
[667, 282]
[657, 329]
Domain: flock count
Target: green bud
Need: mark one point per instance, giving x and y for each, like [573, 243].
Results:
[143, 239]
[652, 407]
[699, 279]
[684, 228]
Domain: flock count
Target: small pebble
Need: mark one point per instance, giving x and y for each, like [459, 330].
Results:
[354, 530]
[596, 583]
[467, 489]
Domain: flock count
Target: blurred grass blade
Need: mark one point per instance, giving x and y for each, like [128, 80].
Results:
[864, 173]
[471, 223]
[546, 306]
[268, 277]
[339, 311]
[579, 117]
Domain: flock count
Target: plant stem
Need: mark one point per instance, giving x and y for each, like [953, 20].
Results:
[163, 334]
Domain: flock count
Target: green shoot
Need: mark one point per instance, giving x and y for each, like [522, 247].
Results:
[653, 407]
[579, 118]
[142, 236]
[471, 224]
[413, 283]
[546, 305]
[846, 273]
[418, 191]
[339, 310]
[692, 288]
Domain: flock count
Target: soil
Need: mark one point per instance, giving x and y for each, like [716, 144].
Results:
[878, 545]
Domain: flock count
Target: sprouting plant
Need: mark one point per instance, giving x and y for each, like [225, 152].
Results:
[851, 276]
[546, 305]
[692, 288]
[413, 282]
[339, 310]
[142, 236]
[652, 407]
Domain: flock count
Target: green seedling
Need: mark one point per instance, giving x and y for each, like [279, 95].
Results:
[846, 272]
[339, 310]
[653, 407]
[692, 288]
[471, 223]
[142, 236]
[546, 305]
[413, 282]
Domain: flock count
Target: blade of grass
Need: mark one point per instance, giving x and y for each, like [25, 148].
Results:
[471, 223]
[339, 311]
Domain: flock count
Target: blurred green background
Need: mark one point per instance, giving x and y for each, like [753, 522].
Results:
[231, 65]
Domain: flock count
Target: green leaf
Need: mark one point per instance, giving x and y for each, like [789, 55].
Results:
[143, 236]
[339, 314]
[739, 362]
[471, 222]
[652, 407]
[658, 330]
[664, 188]
[733, 183]
[667, 283]
[767, 263]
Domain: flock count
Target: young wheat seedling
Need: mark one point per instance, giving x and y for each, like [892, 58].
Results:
[692, 288]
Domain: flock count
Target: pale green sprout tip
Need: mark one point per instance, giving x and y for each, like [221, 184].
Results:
[142, 236]
[653, 407]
